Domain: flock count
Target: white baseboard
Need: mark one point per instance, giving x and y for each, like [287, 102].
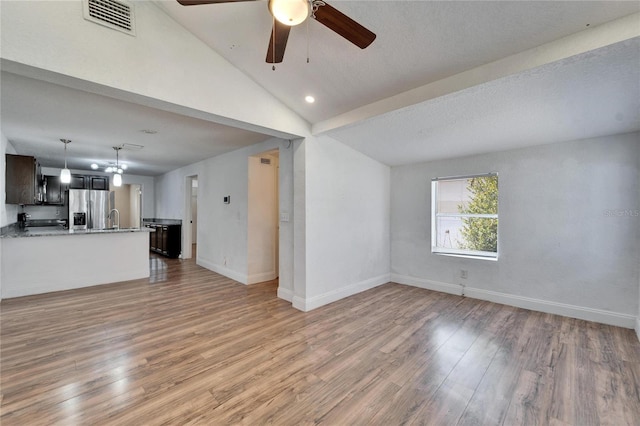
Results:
[331, 296]
[262, 277]
[571, 311]
[427, 284]
[549, 307]
[285, 294]
[222, 270]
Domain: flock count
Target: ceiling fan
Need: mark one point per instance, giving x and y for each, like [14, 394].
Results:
[288, 13]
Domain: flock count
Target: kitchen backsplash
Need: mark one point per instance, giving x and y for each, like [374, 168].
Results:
[46, 212]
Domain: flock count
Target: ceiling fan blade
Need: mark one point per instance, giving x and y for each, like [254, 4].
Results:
[337, 21]
[196, 2]
[281, 33]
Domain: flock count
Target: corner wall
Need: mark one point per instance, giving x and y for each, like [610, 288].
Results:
[567, 244]
[347, 217]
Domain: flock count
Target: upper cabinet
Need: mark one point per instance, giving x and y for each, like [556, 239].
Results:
[26, 185]
[100, 183]
[78, 182]
[53, 190]
[22, 180]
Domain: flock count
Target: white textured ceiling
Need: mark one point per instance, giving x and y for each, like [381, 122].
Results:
[418, 43]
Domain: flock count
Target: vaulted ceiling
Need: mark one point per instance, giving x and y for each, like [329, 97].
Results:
[442, 79]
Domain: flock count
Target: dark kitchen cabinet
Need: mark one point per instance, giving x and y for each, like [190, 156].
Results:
[166, 239]
[89, 182]
[99, 182]
[78, 182]
[22, 180]
[53, 190]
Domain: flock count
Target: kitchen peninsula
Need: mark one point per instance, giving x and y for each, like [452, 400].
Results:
[41, 261]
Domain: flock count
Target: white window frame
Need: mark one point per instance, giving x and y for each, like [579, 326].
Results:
[471, 254]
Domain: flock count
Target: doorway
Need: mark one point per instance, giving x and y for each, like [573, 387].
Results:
[263, 225]
[194, 215]
[127, 199]
[190, 219]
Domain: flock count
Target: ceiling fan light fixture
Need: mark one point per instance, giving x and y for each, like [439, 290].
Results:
[290, 12]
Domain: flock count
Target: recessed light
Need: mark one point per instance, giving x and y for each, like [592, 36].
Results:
[94, 166]
[310, 99]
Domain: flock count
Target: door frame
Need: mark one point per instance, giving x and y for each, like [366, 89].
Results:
[187, 241]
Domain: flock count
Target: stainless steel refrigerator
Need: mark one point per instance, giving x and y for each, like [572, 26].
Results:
[88, 209]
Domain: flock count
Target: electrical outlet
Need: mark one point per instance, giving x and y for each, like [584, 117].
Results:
[225, 261]
[463, 274]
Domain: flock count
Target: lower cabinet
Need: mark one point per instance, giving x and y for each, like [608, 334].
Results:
[166, 239]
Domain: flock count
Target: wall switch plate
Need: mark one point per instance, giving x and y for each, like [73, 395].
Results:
[284, 217]
[227, 199]
[463, 274]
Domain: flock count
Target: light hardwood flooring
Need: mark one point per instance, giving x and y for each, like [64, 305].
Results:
[188, 346]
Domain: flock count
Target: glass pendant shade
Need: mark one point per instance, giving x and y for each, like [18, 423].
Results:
[117, 180]
[65, 175]
[290, 12]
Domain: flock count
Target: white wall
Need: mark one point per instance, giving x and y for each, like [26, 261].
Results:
[638, 260]
[135, 206]
[8, 212]
[560, 248]
[222, 228]
[262, 220]
[346, 203]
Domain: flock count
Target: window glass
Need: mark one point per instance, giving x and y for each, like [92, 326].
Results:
[465, 216]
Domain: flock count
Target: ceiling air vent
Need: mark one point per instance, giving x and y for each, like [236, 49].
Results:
[115, 14]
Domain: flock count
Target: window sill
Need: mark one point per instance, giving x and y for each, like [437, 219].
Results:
[466, 256]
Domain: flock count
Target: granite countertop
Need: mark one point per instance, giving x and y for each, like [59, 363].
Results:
[57, 231]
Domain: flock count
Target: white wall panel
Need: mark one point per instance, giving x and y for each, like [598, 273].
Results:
[562, 246]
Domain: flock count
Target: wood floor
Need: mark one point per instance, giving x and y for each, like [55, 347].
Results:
[188, 346]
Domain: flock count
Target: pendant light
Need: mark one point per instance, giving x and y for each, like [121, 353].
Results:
[65, 174]
[117, 172]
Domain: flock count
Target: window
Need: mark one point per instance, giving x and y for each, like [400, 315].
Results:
[464, 216]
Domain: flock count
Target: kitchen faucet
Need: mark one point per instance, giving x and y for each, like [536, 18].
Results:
[117, 225]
